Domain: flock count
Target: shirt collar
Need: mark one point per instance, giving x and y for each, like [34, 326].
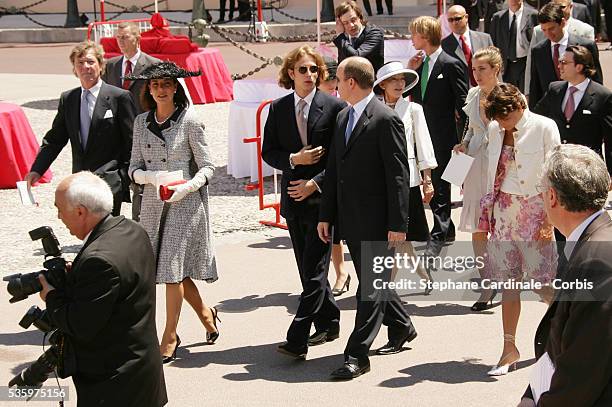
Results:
[577, 233]
[94, 90]
[563, 40]
[522, 124]
[307, 99]
[518, 12]
[360, 106]
[466, 35]
[434, 57]
[87, 236]
[134, 59]
[358, 34]
[582, 85]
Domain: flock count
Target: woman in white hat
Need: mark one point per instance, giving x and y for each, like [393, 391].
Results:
[392, 82]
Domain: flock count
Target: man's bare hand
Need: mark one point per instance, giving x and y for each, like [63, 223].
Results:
[415, 62]
[526, 402]
[308, 155]
[31, 178]
[46, 287]
[428, 192]
[339, 27]
[301, 189]
[395, 239]
[323, 231]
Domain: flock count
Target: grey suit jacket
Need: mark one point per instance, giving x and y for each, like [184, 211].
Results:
[113, 74]
[582, 13]
[452, 47]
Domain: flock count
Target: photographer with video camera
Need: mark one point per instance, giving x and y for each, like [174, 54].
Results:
[106, 310]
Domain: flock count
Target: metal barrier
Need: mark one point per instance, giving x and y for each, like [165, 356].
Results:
[259, 185]
[101, 29]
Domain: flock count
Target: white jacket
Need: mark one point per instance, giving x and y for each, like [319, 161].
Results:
[416, 134]
[535, 136]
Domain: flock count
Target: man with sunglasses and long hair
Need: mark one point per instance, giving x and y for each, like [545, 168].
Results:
[297, 136]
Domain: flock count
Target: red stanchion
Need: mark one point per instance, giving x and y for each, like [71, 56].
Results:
[259, 185]
[102, 16]
[259, 12]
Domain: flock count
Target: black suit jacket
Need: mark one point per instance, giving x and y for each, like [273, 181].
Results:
[578, 334]
[367, 180]
[281, 138]
[107, 310]
[447, 88]
[543, 70]
[113, 74]
[370, 45]
[500, 29]
[591, 124]
[110, 138]
[581, 12]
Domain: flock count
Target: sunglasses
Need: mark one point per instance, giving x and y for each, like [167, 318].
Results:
[455, 19]
[304, 69]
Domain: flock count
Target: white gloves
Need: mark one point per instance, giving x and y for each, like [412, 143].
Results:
[181, 191]
[144, 177]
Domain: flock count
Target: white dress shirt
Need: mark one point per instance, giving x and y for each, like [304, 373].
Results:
[359, 107]
[432, 60]
[576, 233]
[133, 60]
[308, 99]
[358, 34]
[93, 96]
[582, 86]
[521, 51]
[466, 37]
[562, 44]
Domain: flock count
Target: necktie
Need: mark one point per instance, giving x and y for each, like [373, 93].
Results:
[512, 43]
[556, 60]
[128, 71]
[424, 76]
[302, 121]
[85, 118]
[349, 125]
[468, 58]
[570, 105]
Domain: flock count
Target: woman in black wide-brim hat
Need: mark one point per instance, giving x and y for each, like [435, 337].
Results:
[170, 137]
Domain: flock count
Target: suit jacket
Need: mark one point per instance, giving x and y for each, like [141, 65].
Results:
[109, 144]
[543, 70]
[370, 45]
[113, 74]
[581, 12]
[500, 29]
[487, 9]
[591, 124]
[281, 138]
[577, 334]
[367, 180]
[107, 310]
[452, 47]
[446, 91]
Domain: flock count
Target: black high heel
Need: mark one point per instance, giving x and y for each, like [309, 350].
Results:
[336, 292]
[168, 359]
[211, 337]
[484, 305]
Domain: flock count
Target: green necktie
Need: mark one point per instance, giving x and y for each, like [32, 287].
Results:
[424, 76]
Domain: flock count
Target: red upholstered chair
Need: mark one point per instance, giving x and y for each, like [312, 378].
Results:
[150, 45]
[110, 45]
[174, 46]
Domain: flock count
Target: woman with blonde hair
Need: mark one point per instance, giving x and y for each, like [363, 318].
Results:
[487, 64]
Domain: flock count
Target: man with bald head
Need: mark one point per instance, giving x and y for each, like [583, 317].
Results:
[462, 43]
[106, 309]
[366, 197]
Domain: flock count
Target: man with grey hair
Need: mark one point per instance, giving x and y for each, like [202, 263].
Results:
[576, 332]
[106, 310]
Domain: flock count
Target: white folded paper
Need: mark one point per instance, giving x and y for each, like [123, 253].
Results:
[541, 376]
[457, 168]
[25, 194]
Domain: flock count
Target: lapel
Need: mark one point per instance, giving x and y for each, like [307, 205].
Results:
[138, 68]
[102, 105]
[74, 118]
[290, 107]
[435, 71]
[459, 50]
[340, 144]
[102, 227]
[117, 74]
[314, 114]
[361, 124]
[548, 60]
[586, 101]
[559, 100]
[505, 28]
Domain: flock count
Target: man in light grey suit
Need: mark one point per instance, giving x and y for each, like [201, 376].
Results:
[133, 61]
[574, 27]
[463, 43]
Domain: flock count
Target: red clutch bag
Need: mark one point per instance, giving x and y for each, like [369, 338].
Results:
[165, 193]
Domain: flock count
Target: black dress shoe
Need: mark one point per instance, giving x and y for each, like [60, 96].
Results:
[350, 371]
[290, 350]
[396, 346]
[320, 337]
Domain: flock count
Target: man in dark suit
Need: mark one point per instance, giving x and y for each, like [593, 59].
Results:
[97, 119]
[462, 43]
[297, 135]
[106, 309]
[581, 12]
[487, 9]
[545, 55]
[472, 9]
[511, 32]
[355, 37]
[366, 194]
[132, 62]
[581, 107]
[575, 334]
[441, 91]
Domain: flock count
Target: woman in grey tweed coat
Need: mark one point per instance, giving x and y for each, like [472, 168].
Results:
[169, 138]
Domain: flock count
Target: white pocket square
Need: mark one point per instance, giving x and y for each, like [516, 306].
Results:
[586, 112]
[108, 114]
[440, 76]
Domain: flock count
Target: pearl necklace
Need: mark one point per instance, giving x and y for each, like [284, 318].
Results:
[163, 121]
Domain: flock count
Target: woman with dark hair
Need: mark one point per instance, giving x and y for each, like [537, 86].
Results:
[170, 137]
[520, 247]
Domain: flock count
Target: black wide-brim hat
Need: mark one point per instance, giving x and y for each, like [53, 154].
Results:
[162, 70]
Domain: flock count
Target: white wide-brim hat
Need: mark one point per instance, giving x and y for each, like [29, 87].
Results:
[395, 68]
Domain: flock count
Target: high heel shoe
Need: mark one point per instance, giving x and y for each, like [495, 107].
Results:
[211, 337]
[425, 274]
[483, 305]
[345, 287]
[168, 359]
[502, 369]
